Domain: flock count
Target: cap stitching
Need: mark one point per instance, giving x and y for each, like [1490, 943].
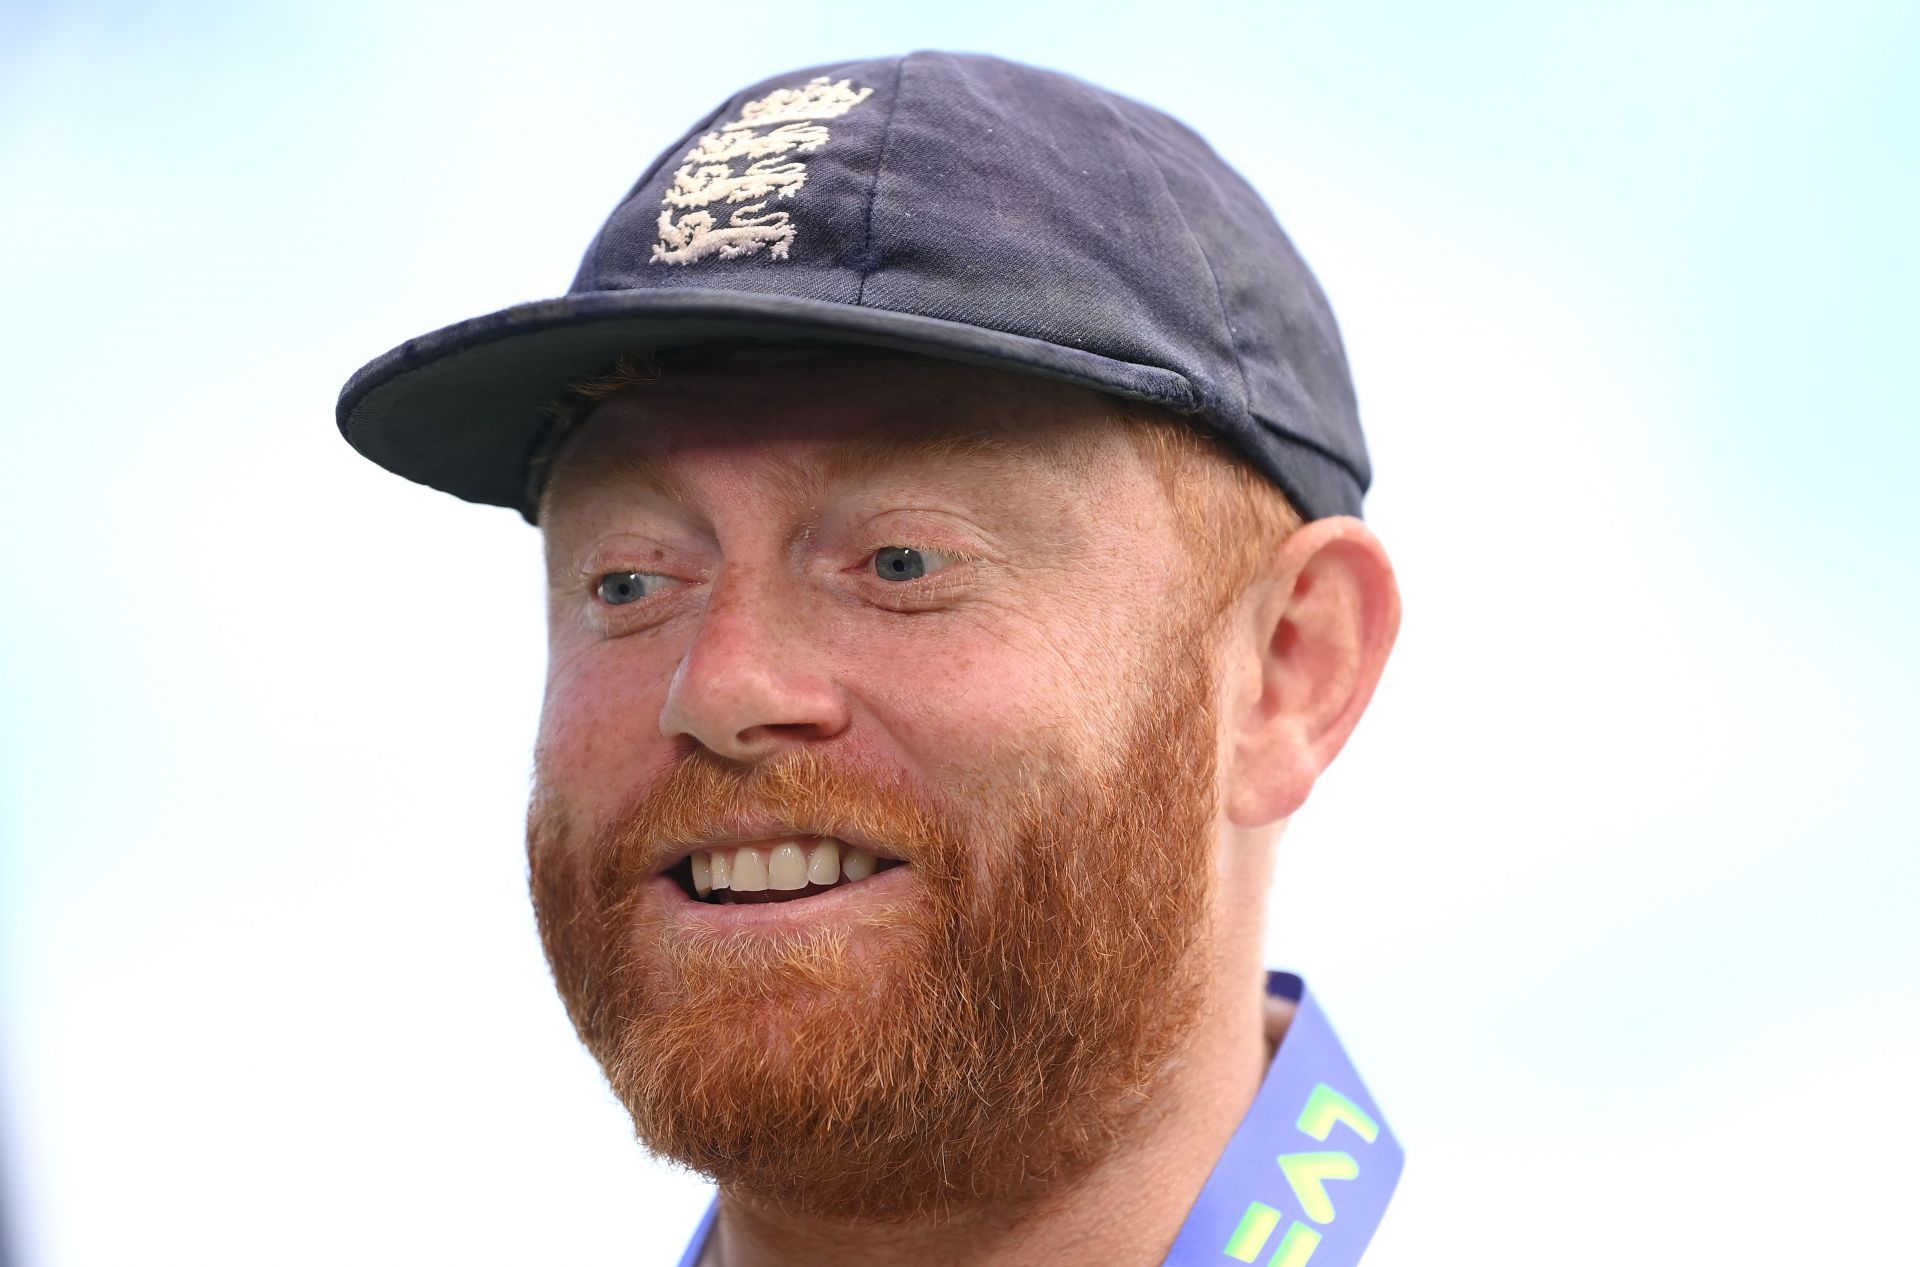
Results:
[863, 263]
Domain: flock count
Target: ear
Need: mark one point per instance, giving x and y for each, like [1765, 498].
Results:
[1308, 647]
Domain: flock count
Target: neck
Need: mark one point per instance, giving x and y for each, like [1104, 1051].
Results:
[1125, 1211]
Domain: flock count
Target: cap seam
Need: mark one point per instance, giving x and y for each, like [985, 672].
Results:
[863, 263]
[1213, 276]
[1296, 437]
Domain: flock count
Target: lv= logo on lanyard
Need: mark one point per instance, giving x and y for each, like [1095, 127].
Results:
[1272, 1177]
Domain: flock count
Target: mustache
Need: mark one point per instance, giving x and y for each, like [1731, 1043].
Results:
[805, 791]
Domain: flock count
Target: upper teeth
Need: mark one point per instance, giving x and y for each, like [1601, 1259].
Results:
[790, 865]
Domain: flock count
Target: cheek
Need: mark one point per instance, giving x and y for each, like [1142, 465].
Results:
[977, 707]
[600, 735]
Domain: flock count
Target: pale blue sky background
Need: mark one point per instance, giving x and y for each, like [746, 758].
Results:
[1613, 896]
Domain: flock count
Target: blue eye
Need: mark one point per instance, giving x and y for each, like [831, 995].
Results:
[899, 563]
[617, 589]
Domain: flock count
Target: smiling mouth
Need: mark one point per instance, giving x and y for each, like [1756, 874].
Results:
[775, 871]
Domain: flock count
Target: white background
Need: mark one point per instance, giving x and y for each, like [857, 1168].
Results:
[1612, 897]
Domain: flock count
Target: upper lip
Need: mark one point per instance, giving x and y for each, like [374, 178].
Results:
[757, 831]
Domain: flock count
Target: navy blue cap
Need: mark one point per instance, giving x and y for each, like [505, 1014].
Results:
[954, 205]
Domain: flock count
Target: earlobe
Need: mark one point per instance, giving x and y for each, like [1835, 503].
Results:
[1319, 633]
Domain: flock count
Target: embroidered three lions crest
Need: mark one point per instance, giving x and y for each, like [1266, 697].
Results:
[750, 160]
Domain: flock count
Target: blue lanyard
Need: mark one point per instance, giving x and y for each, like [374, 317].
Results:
[1306, 1177]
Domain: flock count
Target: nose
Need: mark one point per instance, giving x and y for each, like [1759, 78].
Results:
[750, 684]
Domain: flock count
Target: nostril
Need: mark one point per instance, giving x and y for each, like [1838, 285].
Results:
[768, 739]
[784, 730]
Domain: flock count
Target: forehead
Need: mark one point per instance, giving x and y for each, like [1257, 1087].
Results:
[816, 416]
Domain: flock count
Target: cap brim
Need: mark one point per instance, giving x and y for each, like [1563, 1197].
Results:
[463, 409]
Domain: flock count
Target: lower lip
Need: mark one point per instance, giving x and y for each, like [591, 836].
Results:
[842, 902]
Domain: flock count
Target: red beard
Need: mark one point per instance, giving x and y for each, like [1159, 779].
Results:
[996, 1035]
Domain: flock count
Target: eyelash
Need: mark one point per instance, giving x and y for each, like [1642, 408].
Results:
[955, 557]
[920, 585]
[598, 583]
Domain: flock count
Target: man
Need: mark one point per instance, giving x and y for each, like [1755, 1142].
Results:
[948, 475]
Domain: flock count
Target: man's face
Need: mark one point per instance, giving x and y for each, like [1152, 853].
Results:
[934, 613]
